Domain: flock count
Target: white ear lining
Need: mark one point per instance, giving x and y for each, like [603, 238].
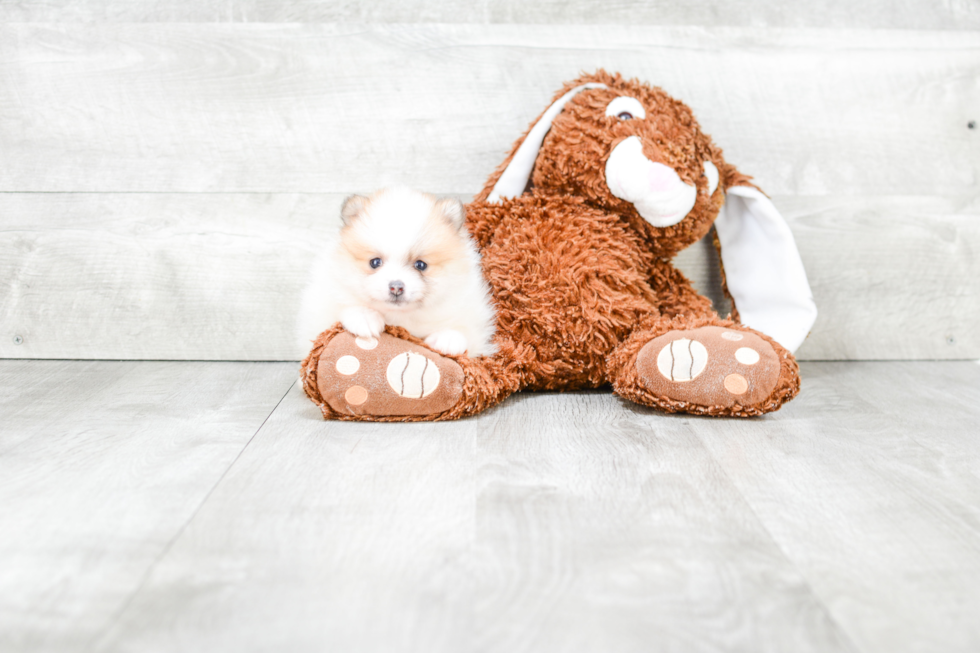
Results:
[514, 179]
[711, 172]
[763, 269]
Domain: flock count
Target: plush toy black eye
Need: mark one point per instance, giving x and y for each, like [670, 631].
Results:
[625, 115]
[421, 265]
[375, 263]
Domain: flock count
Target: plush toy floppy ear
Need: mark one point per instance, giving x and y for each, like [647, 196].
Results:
[514, 179]
[763, 269]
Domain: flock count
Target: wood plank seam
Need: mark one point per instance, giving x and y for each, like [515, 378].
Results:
[775, 542]
[163, 553]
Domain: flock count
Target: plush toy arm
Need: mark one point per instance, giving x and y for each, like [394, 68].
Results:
[762, 267]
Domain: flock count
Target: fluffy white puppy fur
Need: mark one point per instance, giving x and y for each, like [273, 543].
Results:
[401, 258]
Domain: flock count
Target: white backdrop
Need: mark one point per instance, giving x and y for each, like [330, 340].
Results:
[164, 180]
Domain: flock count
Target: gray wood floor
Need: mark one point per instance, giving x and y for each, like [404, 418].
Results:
[206, 507]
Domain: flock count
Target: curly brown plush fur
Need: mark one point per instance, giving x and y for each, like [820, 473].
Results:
[580, 280]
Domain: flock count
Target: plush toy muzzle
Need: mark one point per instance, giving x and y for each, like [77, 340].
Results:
[659, 194]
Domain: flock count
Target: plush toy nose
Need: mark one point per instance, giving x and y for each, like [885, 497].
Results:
[396, 288]
[661, 178]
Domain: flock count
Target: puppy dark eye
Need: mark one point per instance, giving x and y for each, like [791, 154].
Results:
[625, 115]
[421, 265]
[375, 263]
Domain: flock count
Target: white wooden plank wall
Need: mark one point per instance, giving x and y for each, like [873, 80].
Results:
[336, 108]
[162, 185]
[907, 14]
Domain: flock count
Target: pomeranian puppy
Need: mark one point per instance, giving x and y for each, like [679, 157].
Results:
[402, 258]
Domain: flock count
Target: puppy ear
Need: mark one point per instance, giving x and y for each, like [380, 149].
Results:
[762, 268]
[452, 209]
[352, 207]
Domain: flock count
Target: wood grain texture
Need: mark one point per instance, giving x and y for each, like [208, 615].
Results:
[605, 527]
[157, 276]
[325, 536]
[101, 465]
[893, 278]
[339, 108]
[848, 520]
[868, 482]
[909, 14]
[559, 523]
[219, 276]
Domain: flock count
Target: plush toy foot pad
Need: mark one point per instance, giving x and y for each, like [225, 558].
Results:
[710, 366]
[386, 376]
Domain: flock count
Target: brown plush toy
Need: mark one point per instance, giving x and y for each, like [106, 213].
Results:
[577, 230]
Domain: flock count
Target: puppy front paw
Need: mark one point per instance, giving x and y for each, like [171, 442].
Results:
[362, 322]
[448, 341]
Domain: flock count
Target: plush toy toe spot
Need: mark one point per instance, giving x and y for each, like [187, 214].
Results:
[736, 384]
[709, 366]
[356, 395]
[348, 365]
[746, 356]
[386, 376]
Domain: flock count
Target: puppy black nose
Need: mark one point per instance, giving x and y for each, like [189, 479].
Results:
[396, 288]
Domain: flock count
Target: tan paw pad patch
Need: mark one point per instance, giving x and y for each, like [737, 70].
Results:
[386, 376]
[709, 366]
